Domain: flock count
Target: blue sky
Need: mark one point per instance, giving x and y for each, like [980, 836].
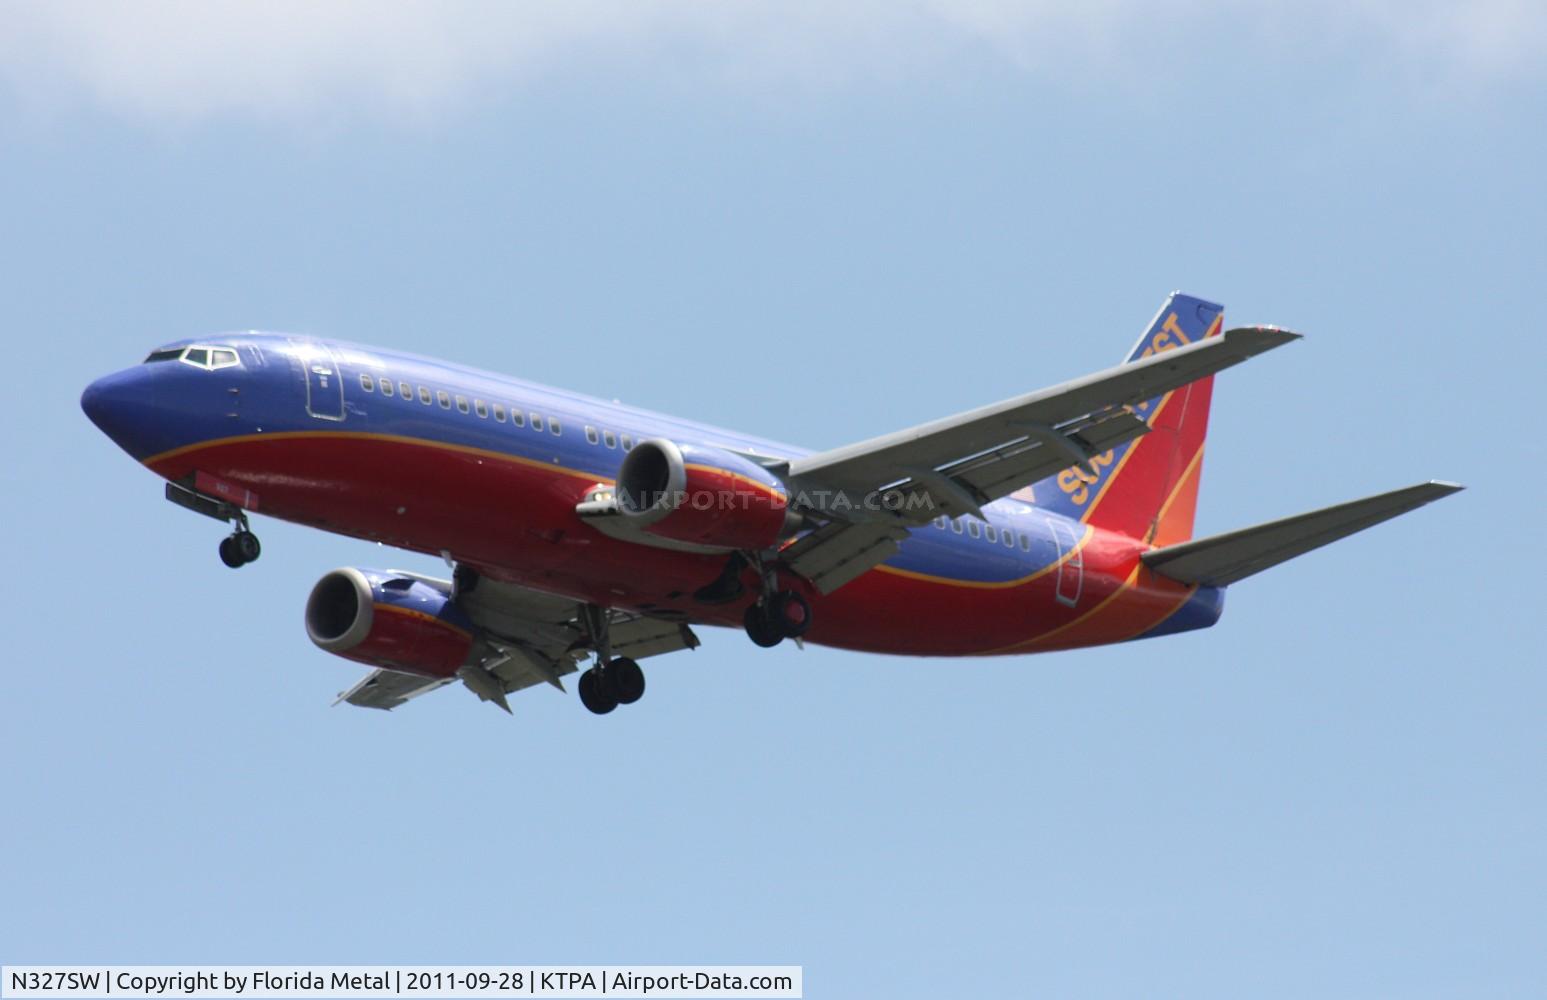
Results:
[816, 226]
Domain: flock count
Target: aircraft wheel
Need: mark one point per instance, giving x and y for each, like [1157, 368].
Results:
[760, 628]
[790, 613]
[594, 694]
[247, 546]
[229, 553]
[625, 682]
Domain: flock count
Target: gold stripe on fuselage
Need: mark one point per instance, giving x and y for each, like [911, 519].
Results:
[373, 436]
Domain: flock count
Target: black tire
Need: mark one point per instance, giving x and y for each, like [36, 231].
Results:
[790, 613]
[594, 694]
[247, 546]
[229, 554]
[760, 629]
[625, 681]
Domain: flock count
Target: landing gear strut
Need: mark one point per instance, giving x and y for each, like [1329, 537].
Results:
[615, 680]
[241, 546]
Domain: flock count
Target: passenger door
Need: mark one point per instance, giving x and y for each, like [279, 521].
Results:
[324, 382]
[1071, 571]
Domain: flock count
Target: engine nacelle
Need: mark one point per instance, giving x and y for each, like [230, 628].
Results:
[391, 620]
[704, 496]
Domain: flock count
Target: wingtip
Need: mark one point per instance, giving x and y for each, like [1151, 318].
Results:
[1446, 486]
[1276, 334]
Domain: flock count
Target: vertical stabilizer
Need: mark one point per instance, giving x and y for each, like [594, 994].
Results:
[1148, 488]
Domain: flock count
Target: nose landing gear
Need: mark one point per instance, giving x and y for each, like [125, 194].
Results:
[240, 547]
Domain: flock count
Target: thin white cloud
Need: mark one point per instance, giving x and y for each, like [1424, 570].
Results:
[285, 58]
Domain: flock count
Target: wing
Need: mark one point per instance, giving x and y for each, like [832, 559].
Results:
[868, 493]
[525, 638]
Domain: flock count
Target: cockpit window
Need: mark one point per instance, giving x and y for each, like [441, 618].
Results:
[208, 358]
[198, 356]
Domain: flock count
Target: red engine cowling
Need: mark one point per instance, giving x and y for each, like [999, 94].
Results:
[703, 496]
[389, 620]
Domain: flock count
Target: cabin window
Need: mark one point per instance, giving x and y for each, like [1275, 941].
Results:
[974, 529]
[1009, 539]
[553, 425]
[590, 434]
[480, 408]
[610, 439]
[443, 398]
[537, 422]
[517, 417]
[1025, 542]
[991, 532]
[424, 395]
[405, 390]
[628, 441]
[366, 383]
[956, 525]
[499, 412]
[386, 387]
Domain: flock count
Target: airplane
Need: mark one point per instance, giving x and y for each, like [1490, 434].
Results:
[578, 529]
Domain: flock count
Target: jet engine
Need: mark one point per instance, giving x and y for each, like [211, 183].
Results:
[704, 496]
[389, 619]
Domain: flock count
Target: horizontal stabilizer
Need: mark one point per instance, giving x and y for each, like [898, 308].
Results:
[1224, 559]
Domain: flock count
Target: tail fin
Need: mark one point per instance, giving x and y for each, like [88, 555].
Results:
[1148, 488]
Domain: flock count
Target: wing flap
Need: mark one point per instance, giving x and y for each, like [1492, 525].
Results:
[1224, 559]
[387, 689]
[837, 553]
[522, 667]
[641, 637]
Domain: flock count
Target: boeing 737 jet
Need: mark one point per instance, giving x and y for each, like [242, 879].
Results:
[583, 530]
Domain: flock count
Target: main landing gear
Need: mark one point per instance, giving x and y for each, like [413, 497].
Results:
[784, 614]
[778, 614]
[620, 682]
[240, 547]
[615, 680]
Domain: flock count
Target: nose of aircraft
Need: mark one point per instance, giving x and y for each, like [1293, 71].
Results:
[104, 401]
[121, 405]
